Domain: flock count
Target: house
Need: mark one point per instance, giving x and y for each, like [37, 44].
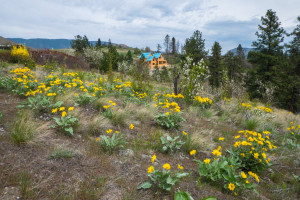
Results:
[156, 59]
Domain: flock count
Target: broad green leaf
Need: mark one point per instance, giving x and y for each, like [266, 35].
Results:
[181, 195]
[145, 185]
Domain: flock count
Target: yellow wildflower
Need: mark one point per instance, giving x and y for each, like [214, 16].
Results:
[64, 113]
[180, 167]
[231, 186]
[167, 166]
[185, 133]
[221, 138]
[61, 108]
[153, 158]
[131, 126]
[193, 152]
[243, 175]
[150, 169]
[207, 160]
[54, 110]
[71, 108]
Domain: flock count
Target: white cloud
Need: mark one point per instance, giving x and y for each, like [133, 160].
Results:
[142, 23]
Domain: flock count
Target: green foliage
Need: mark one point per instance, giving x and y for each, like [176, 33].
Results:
[110, 143]
[25, 184]
[83, 99]
[234, 67]
[164, 179]
[171, 144]
[66, 124]
[215, 66]
[181, 195]
[80, 43]
[61, 153]
[23, 128]
[169, 121]
[195, 47]
[224, 171]
[251, 124]
[40, 103]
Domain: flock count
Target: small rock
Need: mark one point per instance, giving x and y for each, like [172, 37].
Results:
[126, 153]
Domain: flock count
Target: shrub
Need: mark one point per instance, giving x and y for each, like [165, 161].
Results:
[66, 122]
[252, 148]
[164, 179]
[110, 143]
[170, 144]
[168, 120]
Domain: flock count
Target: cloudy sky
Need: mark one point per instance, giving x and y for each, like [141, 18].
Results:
[140, 23]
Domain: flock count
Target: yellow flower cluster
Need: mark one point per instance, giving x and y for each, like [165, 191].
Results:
[205, 100]
[139, 95]
[216, 152]
[247, 105]
[63, 110]
[112, 104]
[294, 129]
[254, 176]
[20, 52]
[266, 109]
[254, 144]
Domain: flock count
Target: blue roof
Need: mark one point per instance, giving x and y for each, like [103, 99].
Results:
[156, 55]
[150, 58]
[146, 55]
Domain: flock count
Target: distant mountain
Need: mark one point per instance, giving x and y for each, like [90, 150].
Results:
[40, 43]
[246, 51]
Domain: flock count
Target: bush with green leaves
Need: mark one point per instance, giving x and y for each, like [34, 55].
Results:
[83, 99]
[169, 120]
[163, 179]
[66, 123]
[40, 103]
[171, 144]
[252, 149]
[225, 170]
[110, 143]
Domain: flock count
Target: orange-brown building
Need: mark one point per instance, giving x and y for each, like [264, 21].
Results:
[157, 59]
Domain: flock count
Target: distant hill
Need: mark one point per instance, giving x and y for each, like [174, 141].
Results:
[41, 43]
[246, 51]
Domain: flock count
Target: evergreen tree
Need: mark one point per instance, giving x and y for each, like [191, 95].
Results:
[128, 56]
[158, 48]
[267, 59]
[114, 57]
[80, 43]
[233, 66]
[215, 66]
[195, 47]
[173, 45]
[167, 44]
[288, 80]
[240, 52]
[109, 43]
[98, 43]
[268, 47]
[147, 49]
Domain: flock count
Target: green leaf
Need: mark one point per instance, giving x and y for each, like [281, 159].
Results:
[145, 185]
[180, 175]
[70, 130]
[181, 195]
[209, 198]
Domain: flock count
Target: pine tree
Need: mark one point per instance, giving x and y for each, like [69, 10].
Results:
[167, 44]
[98, 44]
[128, 56]
[80, 43]
[267, 58]
[215, 66]
[232, 64]
[173, 45]
[195, 47]
[288, 80]
[268, 47]
[158, 48]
